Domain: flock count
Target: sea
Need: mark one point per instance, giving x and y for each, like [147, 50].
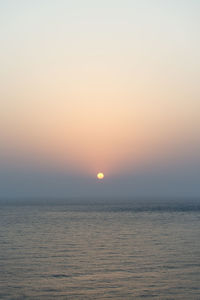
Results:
[100, 249]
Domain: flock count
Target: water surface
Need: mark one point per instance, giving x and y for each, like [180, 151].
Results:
[99, 251]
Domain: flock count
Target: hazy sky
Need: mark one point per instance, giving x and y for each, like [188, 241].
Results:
[90, 86]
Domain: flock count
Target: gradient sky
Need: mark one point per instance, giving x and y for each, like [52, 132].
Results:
[90, 86]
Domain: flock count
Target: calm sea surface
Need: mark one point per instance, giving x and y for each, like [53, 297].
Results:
[99, 251]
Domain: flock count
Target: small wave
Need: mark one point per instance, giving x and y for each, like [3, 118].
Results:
[60, 275]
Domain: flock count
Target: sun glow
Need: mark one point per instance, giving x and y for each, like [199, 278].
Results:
[100, 175]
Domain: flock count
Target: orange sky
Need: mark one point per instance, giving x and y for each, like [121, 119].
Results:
[110, 93]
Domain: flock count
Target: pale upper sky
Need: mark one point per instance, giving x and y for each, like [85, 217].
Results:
[90, 86]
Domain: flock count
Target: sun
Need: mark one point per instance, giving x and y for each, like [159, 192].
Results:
[100, 175]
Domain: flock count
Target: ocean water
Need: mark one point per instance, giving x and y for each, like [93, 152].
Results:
[100, 250]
